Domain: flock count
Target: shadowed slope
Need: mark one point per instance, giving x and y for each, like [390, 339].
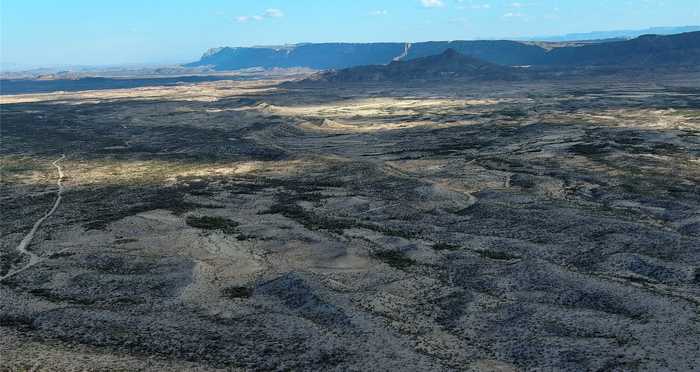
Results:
[448, 65]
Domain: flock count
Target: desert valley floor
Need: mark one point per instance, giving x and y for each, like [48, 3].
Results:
[252, 225]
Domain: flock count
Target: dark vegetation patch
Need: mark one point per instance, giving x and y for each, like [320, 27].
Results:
[310, 221]
[213, 223]
[8, 260]
[49, 295]
[511, 113]
[628, 139]
[116, 265]
[637, 279]
[24, 86]
[451, 148]
[237, 292]
[331, 358]
[125, 241]
[61, 255]
[452, 308]
[662, 148]
[13, 168]
[286, 204]
[40, 128]
[506, 165]
[645, 268]
[497, 255]
[395, 259]
[524, 181]
[110, 280]
[102, 206]
[600, 301]
[298, 296]
[586, 91]
[308, 188]
[16, 321]
[590, 149]
[445, 247]
[202, 193]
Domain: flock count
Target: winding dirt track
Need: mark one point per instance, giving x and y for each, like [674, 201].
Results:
[22, 247]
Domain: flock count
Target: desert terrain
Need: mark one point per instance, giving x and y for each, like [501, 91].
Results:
[254, 225]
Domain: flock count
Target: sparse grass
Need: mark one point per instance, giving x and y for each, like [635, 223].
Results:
[213, 223]
[689, 113]
[15, 168]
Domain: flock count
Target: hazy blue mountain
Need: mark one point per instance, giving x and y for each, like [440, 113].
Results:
[316, 56]
[502, 52]
[645, 50]
[619, 34]
[449, 65]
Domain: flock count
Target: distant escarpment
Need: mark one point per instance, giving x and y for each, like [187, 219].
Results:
[316, 56]
[648, 50]
[449, 65]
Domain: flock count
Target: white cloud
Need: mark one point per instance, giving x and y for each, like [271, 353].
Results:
[432, 3]
[512, 15]
[269, 13]
[378, 12]
[478, 6]
[273, 13]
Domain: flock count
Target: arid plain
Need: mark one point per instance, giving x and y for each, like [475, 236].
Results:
[271, 226]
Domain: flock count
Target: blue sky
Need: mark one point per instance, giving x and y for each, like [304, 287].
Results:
[91, 32]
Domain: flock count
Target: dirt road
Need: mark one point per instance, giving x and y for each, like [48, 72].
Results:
[24, 244]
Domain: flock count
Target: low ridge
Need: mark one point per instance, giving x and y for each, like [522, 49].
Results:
[448, 65]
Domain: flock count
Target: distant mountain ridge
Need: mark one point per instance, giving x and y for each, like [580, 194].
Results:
[448, 65]
[646, 50]
[316, 56]
[617, 34]
[683, 49]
